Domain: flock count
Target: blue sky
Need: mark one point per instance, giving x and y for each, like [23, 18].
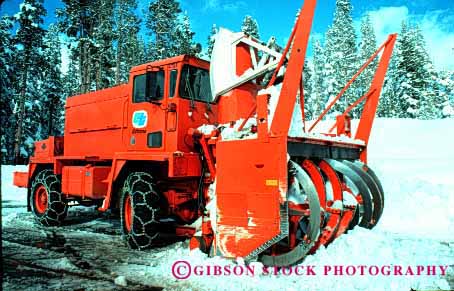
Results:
[275, 18]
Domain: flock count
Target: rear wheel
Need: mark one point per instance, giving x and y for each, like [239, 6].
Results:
[46, 200]
[140, 211]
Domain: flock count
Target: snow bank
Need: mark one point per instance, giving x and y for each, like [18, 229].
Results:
[9, 192]
[414, 160]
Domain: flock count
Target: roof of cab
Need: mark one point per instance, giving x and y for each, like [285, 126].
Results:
[177, 59]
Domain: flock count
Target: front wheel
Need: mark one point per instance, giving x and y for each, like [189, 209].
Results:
[140, 210]
[46, 200]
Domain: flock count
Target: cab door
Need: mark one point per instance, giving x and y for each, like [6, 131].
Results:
[146, 112]
[194, 102]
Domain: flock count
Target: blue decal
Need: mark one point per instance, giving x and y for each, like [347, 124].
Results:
[139, 119]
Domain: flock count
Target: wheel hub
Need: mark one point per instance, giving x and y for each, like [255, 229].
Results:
[128, 213]
[41, 199]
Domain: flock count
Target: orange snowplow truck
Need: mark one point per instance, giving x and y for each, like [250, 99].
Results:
[203, 151]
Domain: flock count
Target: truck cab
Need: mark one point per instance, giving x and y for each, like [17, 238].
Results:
[151, 113]
[168, 97]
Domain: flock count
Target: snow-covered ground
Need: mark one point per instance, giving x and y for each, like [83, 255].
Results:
[414, 160]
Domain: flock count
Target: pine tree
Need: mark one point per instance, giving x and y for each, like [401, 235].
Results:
[7, 74]
[417, 91]
[162, 24]
[310, 105]
[250, 27]
[52, 89]
[185, 44]
[317, 95]
[446, 82]
[408, 98]
[88, 26]
[341, 54]
[29, 60]
[102, 44]
[389, 105]
[77, 21]
[137, 54]
[367, 46]
[392, 104]
[432, 102]
[128, 49]
[413, 88]
[71, 84]
[211, 39]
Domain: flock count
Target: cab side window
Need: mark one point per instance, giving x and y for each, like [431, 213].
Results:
[173, 82]
[155, 82]
[195, 84]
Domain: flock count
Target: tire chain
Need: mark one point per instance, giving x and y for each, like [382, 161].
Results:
[145, 205]
[57, 207]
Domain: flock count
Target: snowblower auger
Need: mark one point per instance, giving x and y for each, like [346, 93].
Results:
[204, 151]
[279, 198]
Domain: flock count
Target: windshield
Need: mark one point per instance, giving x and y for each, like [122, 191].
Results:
[195, 84]
[156, 87]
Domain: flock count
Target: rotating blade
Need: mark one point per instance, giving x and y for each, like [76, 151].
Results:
[355, 219]
[317, 179]
[335, 218]
[302, 249]
[369, 171]
[294, 193]
[362, 188]
[373, 188]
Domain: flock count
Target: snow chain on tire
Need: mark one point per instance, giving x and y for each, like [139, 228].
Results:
[145, 208]
[57, 208]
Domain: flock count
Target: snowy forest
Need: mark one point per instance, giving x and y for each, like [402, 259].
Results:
[105, 38]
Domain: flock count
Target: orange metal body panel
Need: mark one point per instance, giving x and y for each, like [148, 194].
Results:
[250, 190]
[243, 59]
[50, 147]
[200, 114]
[86, 182]
[187, 165]
[95, 122]
[238, 103]
[20, 179]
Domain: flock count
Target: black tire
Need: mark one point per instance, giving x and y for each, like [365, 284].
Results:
[57, 207]
[145, 206]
